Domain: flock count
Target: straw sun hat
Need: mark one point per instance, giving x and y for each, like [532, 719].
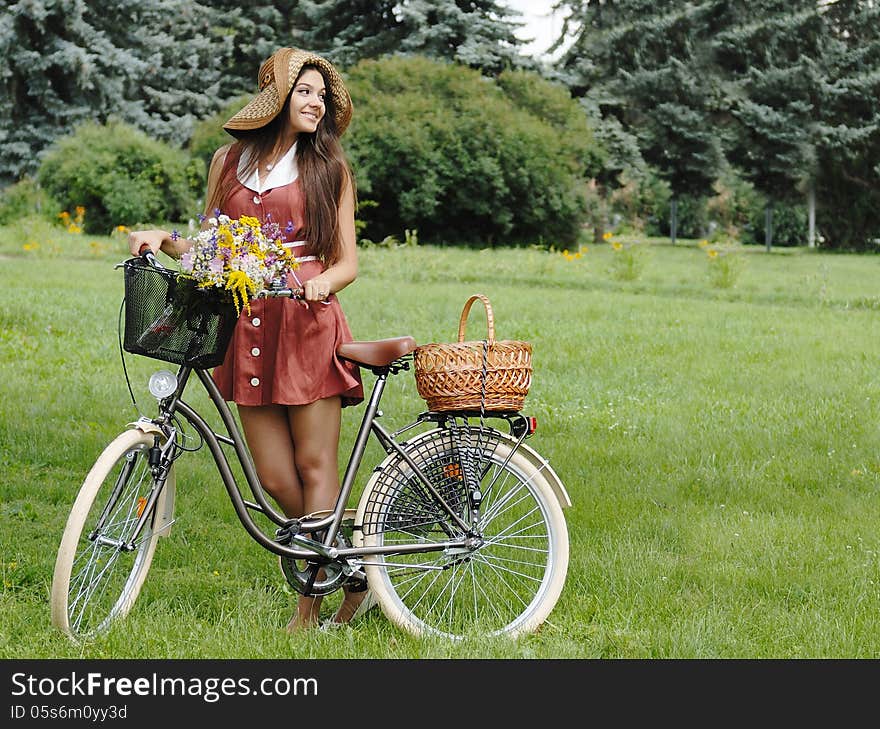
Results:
[277, 76]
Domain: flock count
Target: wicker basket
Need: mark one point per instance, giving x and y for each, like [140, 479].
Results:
[477, 375]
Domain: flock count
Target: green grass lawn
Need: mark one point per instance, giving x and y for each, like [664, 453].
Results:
[720, 446]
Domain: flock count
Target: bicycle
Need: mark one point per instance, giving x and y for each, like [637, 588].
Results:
[458, 531]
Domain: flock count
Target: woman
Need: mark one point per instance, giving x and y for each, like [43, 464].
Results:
[281, 368]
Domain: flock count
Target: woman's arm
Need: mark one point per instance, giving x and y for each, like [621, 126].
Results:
[345, 269]
[161, 240]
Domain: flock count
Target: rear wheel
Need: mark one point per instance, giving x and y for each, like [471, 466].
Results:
[100, 569]
[509, 577]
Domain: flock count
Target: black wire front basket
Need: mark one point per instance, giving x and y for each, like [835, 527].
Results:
[168, 317]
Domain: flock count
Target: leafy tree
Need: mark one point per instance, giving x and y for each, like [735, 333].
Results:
[255, 30]
[790, 87]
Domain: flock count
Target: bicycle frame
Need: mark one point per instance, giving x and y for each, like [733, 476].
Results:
[332, 522]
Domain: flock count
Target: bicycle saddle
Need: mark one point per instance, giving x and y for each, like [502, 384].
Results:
[379, 353]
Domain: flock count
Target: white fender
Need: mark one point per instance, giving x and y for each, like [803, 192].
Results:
[543, 467]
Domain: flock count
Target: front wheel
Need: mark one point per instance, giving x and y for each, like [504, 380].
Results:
[509, 577]
[101, 566]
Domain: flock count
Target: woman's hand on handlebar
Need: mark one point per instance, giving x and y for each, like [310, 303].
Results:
[140, 241]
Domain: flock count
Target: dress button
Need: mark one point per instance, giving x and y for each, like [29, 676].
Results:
[256, 199]
[255, 351]
[255, 321]
[255, 381]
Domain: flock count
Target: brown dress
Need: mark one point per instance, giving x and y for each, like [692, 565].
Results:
[282, 351]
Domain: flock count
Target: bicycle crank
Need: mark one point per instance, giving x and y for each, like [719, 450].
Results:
[308, 577]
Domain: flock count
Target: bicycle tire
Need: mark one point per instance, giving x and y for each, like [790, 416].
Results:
[95, 582]
[509, 584]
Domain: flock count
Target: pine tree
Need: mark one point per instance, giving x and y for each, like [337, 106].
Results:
[157, 64]
[769, 56]
[59, 69]
[641, 66]
[848, 138]
[476, 33]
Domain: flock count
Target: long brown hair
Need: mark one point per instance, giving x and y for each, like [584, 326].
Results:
[324, 172]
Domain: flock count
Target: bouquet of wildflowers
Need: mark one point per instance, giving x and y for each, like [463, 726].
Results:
[237, 256]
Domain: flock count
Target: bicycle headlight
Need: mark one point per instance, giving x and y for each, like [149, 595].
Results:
[162, 384]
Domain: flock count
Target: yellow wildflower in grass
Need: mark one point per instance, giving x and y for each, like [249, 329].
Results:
[573, 256]
[75, 224]
[97, 248]
[628, 260]
[726, 263]
[607, 235]
[31, 245]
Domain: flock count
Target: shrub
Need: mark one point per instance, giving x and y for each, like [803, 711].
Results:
[26, 199]
[789, 225]
[121, 177]
[464, 159]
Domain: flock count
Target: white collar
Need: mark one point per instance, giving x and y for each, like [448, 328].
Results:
[283, 172]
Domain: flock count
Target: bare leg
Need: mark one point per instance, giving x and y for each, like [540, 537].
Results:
[267, 433]
[269, 437]
[315, 430]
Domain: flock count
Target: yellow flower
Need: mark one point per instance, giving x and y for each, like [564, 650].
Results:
[713, 253]
[617, 246]
[606, 235]
[224, 236]
[241, 286]
[704, 243]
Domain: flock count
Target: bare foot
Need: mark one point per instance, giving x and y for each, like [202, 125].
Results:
[307, 615]
[349, 606]
[297, 623]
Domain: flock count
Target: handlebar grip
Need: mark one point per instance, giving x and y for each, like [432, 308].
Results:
[150, 257]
